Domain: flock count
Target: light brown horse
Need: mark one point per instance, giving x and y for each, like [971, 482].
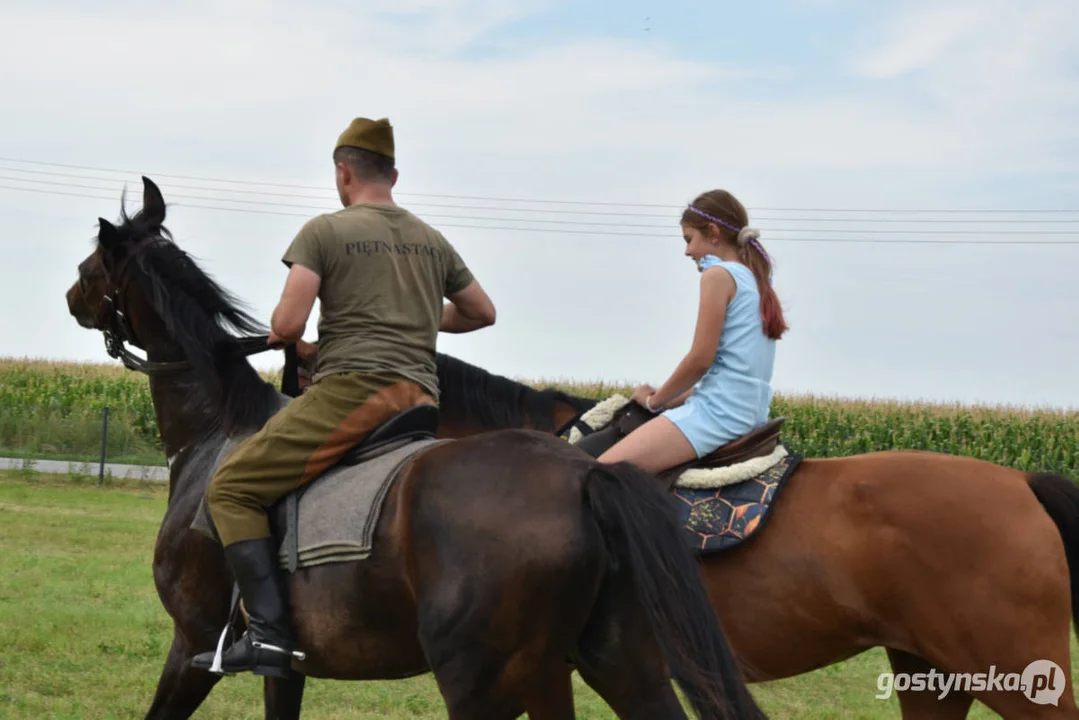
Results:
[951, 563]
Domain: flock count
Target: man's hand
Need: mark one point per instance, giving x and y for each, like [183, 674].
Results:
[307, 354]
[305, 351]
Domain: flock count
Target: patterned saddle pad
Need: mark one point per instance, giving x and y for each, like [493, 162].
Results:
[718, 519]
[718, 508]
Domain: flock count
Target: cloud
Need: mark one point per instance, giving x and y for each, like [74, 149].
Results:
[249, 75]
[917, 40]
[929, 105]
[1002, 73]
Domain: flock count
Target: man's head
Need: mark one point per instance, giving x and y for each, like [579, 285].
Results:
[364, 159]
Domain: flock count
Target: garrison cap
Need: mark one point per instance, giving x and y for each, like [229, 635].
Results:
[373, 135]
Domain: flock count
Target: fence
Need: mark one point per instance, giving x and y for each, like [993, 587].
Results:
[73, 459]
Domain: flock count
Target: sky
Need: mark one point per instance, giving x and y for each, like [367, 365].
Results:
[812, 112]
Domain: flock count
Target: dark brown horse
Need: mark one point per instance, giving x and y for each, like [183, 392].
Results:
[468, 391]
[951, 563]
[498, 559]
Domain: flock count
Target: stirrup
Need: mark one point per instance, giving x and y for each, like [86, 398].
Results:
[273, 648]
[215, 666]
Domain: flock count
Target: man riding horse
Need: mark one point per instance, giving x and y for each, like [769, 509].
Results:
[381, 275]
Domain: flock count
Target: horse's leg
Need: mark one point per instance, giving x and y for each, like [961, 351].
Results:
[504, 573]
[476, 682]
[283, 698]
[528, 631]
[1022, 616]
[181, 688]
[927, 704]
[1012, 645]
[621, 662]
[628, 672]
[631, 690]
[195, 590]
[550, 693]
[619, 657]
[972, 592]
[1013, 583]
[487, 683]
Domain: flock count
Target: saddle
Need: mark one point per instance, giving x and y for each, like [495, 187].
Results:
[721, 500]
[419, 422]
[415, 423]
[758, 442]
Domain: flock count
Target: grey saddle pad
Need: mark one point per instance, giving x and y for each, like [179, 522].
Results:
[337, 513]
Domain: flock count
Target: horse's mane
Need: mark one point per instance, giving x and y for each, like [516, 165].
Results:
[473, 394]
[197, 313]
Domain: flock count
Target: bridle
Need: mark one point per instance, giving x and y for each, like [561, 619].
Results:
[116, 327]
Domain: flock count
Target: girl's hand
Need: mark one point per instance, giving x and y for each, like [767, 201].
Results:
[641, 394]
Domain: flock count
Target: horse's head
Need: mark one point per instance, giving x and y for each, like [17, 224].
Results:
[138, 287]
[103, 297]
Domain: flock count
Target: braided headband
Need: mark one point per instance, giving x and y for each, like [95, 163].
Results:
[747, 232]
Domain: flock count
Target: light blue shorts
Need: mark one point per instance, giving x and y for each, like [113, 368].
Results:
[704, 432]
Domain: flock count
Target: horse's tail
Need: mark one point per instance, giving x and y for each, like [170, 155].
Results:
[638, 523]
[1060, 498]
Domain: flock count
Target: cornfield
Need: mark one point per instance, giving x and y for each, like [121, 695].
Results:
[55, 409]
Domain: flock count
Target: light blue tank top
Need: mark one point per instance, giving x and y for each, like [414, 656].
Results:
[736, 391]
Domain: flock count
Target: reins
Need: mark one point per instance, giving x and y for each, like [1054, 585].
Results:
[114, 346]
[115, 327]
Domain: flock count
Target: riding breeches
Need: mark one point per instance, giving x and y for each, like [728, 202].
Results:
[303, 440]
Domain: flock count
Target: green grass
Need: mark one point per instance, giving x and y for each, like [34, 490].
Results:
[84, 636]
[54, 410]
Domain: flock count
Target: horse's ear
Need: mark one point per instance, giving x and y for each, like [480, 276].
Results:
[107, 234]
[153, 204]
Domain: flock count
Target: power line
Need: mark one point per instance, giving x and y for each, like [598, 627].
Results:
[526, 200]
[319, 208]
[310, 187]
[544, 221]
[771, 238]
[602, 223]
[668, 216]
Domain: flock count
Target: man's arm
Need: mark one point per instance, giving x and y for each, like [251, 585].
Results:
[468, 310]
[298, 297]
[304, 259]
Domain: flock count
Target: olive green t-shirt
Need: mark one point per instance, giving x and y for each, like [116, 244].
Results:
[384, 275]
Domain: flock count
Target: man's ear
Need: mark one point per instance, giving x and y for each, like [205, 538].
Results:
[343, 173]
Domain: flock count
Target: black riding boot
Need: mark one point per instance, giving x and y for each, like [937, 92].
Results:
[266, 647]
